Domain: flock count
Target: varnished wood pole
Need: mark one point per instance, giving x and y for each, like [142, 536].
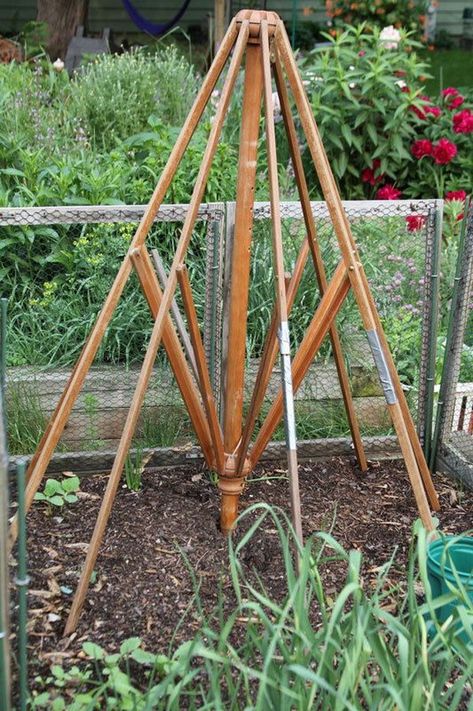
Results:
[190, 395]
[148, 280]
[357, 278]
[318, 328]
[280, 287]
[176, 314]
[318, 260]
[156, 335]
[61, 414]
[236, 350]
[268, 357]
[202, 369]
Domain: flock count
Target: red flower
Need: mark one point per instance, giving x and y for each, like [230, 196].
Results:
[405, 89]
[434, 110]
[427, 108]
[418, 112]
[450, 91]
[463, 121]
[456, 102]
[444, 151]
[421, 148]
[415, 222]
[388, 192]
[456, 195]
[368, 174]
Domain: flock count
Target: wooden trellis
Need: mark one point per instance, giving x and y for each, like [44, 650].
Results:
[260, 37]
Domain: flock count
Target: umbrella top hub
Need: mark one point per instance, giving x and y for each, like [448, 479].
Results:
[255, 18]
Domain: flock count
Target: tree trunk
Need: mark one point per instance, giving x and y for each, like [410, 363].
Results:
[62, 17]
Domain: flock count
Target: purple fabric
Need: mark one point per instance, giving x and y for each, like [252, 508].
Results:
[150, 27]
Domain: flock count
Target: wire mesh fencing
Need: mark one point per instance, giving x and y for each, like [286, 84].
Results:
[399, 247]
[62, 262]
[454, 427]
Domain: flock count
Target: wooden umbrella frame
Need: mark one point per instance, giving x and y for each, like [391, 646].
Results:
[227, 448]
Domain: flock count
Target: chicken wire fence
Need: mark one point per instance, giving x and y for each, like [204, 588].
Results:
[454, 426]
[61, 262]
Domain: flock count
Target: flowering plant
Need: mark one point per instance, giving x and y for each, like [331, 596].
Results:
[385, 138]
[442, 150]
[365, 116]
[381, 13]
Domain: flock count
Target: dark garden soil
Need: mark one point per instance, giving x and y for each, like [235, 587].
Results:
[142, 585]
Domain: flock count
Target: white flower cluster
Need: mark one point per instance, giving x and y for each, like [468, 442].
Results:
[390, 37]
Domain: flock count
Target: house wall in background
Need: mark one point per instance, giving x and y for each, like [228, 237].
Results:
[111, 13]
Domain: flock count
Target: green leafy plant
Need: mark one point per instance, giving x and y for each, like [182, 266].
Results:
[58, 493]
[382, 13]
[365, 117]
[133, 469]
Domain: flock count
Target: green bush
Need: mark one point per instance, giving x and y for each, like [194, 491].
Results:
[365, 119]
[115, 95]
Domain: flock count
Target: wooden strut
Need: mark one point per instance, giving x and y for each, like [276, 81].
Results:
[157, 333]
[262, 36]
[280, 285]
[58, 420]
[418, 472]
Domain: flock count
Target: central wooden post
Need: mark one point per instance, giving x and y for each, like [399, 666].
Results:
[231, 485]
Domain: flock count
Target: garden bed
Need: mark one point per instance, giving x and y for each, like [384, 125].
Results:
[142, 584]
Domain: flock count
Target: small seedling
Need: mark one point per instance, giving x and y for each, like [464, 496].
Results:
[57, 493]
[134, 467]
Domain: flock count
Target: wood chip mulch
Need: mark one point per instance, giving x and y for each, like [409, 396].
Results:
[142, 584]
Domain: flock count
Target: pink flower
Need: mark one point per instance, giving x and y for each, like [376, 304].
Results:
[418, 112]
[415, 222]
[368, 174]
[388, 192]
[434, 110]
[463, 121]
[456, 102]
[456, 195]
[450, 91]
[444, 151]
[421, 148]
[361, 53]
[427, 108]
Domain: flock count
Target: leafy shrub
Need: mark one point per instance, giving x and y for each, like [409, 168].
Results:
[365, 119]
[442, 149]
[384, 137]
[116, 94]
[403, 13]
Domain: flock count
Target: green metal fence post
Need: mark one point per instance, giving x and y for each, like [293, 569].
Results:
[22, 581]
[449, 337]
[433, 330]
[5, 683]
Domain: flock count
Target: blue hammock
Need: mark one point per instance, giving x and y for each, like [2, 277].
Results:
[150, 27]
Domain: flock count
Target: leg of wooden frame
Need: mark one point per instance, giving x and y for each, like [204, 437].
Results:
[318, 261]
[61, 414]
[202, 369]
[318, 328]
[281, 300]
[232, 485]
[153, 293]
[268, 358]
[389, 379]
[156, 334]
[178, 320]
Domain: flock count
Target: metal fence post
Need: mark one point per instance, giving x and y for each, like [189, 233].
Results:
[4, 588]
